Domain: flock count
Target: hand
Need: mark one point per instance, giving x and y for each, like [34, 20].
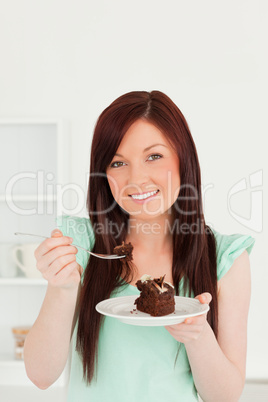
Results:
[56, 260]
[192, 327]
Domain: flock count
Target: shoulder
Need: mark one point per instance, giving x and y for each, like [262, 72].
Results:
[81, 231]
[237, 279]
[229, 248]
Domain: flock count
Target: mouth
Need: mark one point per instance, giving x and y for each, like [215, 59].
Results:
[143, 196]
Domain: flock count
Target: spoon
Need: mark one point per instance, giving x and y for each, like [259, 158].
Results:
[103, 256]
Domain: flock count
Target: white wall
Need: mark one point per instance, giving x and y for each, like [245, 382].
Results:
[70, 59]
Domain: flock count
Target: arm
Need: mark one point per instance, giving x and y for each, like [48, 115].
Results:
[218, 366]
[47, 344]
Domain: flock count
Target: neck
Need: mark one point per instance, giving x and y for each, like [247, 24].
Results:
[150, 234]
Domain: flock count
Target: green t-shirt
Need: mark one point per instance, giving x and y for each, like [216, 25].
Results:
[137, 363]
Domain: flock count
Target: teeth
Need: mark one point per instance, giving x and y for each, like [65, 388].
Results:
[143, 196]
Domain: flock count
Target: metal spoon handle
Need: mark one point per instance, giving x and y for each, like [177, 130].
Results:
[29, 234]
[103, 256]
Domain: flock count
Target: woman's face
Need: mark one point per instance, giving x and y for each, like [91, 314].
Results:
[144, 173]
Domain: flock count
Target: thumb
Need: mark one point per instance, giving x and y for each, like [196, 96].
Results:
[204, 298]
[56, 233]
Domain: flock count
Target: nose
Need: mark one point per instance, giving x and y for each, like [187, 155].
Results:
[138, 177]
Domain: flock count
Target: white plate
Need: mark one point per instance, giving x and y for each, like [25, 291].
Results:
[124, 309]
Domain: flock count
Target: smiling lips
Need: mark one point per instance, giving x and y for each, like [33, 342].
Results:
[143, 196]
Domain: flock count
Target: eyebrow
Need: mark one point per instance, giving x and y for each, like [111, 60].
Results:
[145, 149]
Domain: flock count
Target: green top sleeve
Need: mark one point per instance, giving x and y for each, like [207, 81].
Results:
[81, 231]
[228, 248]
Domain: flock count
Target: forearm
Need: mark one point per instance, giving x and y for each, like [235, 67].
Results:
[47, 344]
[216, 377]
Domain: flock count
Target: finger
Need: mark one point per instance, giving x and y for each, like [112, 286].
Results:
[58, 265]
[204, 298]
[56, 233]
[184, 329]
[188, 329]
[67, 270]
[51, 243]
[198, 320]
[189, 322]
[52, 255]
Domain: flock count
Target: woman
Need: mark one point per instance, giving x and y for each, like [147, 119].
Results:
[144, 188]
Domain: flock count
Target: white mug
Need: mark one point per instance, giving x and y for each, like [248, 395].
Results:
[27, 261]
[8, 268]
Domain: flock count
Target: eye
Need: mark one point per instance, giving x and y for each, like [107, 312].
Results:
[154, 157]
[117, 164]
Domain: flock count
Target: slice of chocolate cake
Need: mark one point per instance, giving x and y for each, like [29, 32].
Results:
[124, 249]
[157, 296]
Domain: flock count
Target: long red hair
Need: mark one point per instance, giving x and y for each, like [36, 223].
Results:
[194, 251]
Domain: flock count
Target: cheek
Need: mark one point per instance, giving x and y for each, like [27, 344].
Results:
[168, 177]
[113, 185]
[175, 180]
[175, 183]
[116, 184]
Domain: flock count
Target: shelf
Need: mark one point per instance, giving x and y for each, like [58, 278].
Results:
[35, 163]
[22, 281]
[7, 360]
[12, 372]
